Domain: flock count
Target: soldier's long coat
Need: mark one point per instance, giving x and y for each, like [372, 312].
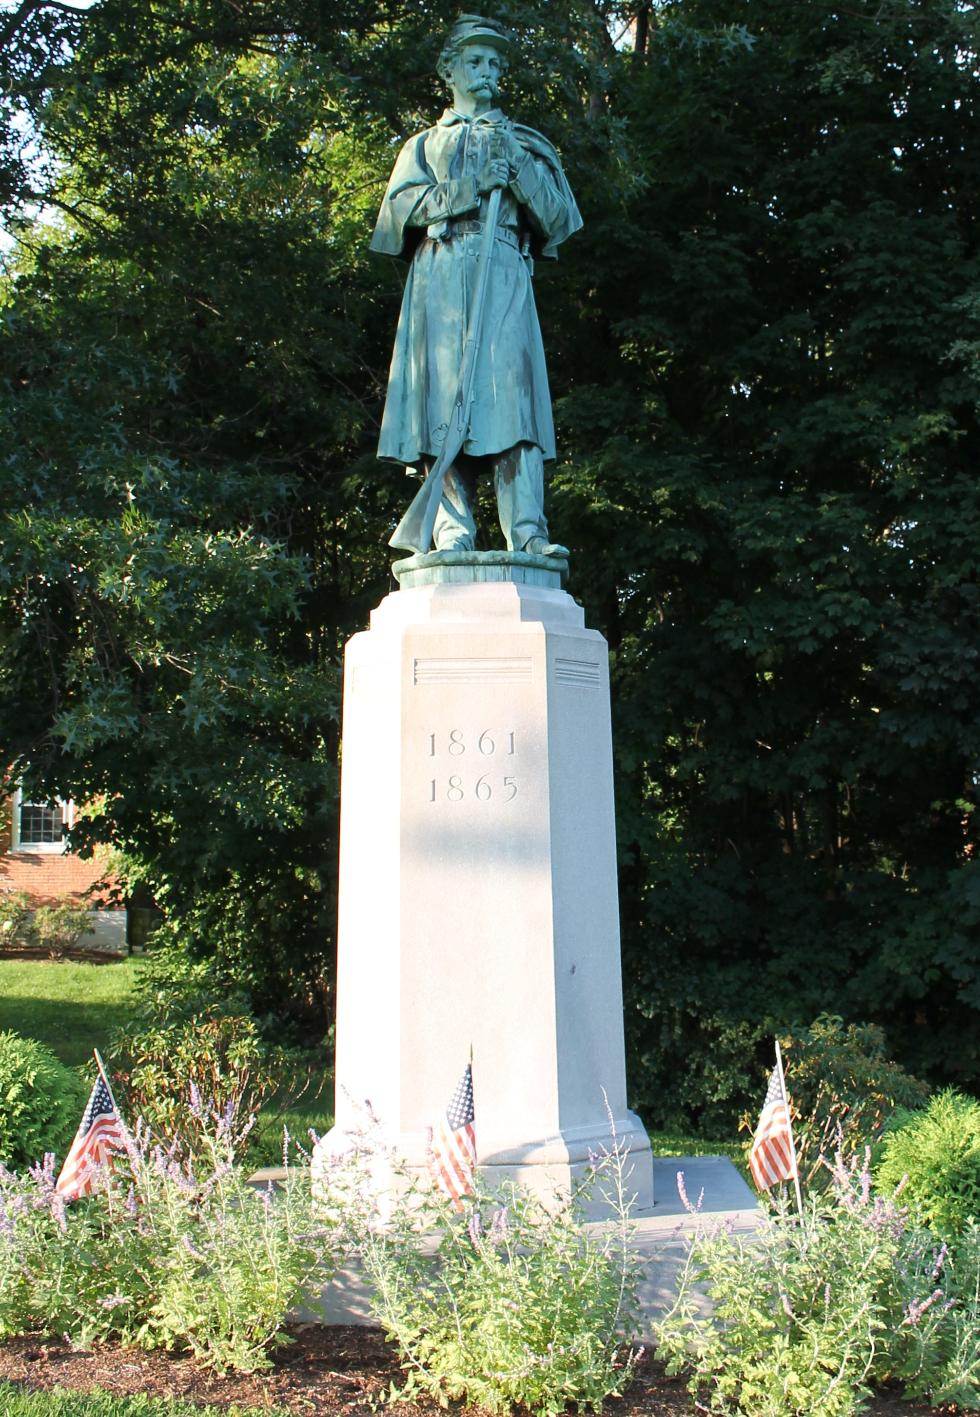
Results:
[432, 185]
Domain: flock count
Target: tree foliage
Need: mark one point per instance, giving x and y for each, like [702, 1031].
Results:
[796, 598]
[764, 356]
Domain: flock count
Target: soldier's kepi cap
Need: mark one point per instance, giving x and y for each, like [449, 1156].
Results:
[476, 29]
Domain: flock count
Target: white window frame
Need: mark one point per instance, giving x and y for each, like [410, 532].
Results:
[38, 848]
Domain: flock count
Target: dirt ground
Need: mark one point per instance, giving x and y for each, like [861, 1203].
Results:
[337, 1370]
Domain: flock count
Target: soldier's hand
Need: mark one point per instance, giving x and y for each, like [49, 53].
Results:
[507, 146]
[495, 173]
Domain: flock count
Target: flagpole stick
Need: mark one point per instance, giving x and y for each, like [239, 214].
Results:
[105, 1078]
[789, 1124]
[102, 1074]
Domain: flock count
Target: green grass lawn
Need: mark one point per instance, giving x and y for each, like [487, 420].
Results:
[681, 1144]
[314, 1109]
[73, 1008]
[60, 1403]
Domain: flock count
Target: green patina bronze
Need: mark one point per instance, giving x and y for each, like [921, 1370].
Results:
[479, 568]
[471, 203]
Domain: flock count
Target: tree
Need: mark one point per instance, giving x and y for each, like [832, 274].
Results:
[779, 462]
[764, 353]
[194, 361]
[185, 498]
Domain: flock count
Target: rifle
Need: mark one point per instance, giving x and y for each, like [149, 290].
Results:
[414, 531]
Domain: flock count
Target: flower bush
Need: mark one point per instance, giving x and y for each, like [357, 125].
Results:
[166, 1252]
[810, 1310]
[517, 1304]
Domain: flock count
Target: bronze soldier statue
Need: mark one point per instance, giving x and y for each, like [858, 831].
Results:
[471, 202]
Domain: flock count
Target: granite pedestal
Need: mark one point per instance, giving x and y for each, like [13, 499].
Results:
[478, 899]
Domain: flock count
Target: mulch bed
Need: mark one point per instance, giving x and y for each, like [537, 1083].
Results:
[336, 1370]
[78, 954]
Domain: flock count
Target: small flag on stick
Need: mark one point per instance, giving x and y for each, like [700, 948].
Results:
[100, 1135]
[452, 1159]
[773, 1154]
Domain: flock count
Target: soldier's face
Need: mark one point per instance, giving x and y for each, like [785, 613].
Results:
[476, 74]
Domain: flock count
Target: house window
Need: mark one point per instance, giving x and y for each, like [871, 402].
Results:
[37, 826]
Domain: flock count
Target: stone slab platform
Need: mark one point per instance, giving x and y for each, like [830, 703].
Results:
[659, 1236]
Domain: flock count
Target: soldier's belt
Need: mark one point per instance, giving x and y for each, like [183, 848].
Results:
[474, 228]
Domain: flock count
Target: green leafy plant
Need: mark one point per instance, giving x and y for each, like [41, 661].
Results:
[219, 1055]
[843, 1088]
[197, 1033]
[937, 1153]
[934, 1347]
[164, 1252]
[15, 917]
[236, 1257]
[40, 1101]
[58, 928]
[809, 1311]
[176, 984]
[518, 1304]
[84, 1269]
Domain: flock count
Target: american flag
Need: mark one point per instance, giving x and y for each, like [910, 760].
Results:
[452, 1158]
[772, 1157]
[100, 1134]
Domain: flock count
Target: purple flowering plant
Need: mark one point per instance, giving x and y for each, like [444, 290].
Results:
[169, 1251]
[511, 1300]
[802, 1315]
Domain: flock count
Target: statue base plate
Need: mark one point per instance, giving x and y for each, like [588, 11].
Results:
[479, 567]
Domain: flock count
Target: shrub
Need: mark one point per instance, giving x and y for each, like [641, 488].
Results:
[236, 1257]
[935, 1348]
[519, 1304]
[163, 1253]
[173, 985]
[58, 928]
[938, 1150]
[843, 1088]
[808, 1312]
[41, 1101]
[197, 1030]
[219, 1055]
[15, 916]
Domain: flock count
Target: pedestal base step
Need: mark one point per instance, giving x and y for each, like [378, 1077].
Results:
[659, 1237]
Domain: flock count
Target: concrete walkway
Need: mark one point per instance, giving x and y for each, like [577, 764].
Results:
[659, 1236]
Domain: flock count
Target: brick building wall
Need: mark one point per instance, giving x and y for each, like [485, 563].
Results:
[46, 876]
[54, 876]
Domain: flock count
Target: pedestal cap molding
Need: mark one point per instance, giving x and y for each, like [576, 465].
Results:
[493, 605]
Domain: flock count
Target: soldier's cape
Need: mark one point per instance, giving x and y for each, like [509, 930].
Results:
[394, 236]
